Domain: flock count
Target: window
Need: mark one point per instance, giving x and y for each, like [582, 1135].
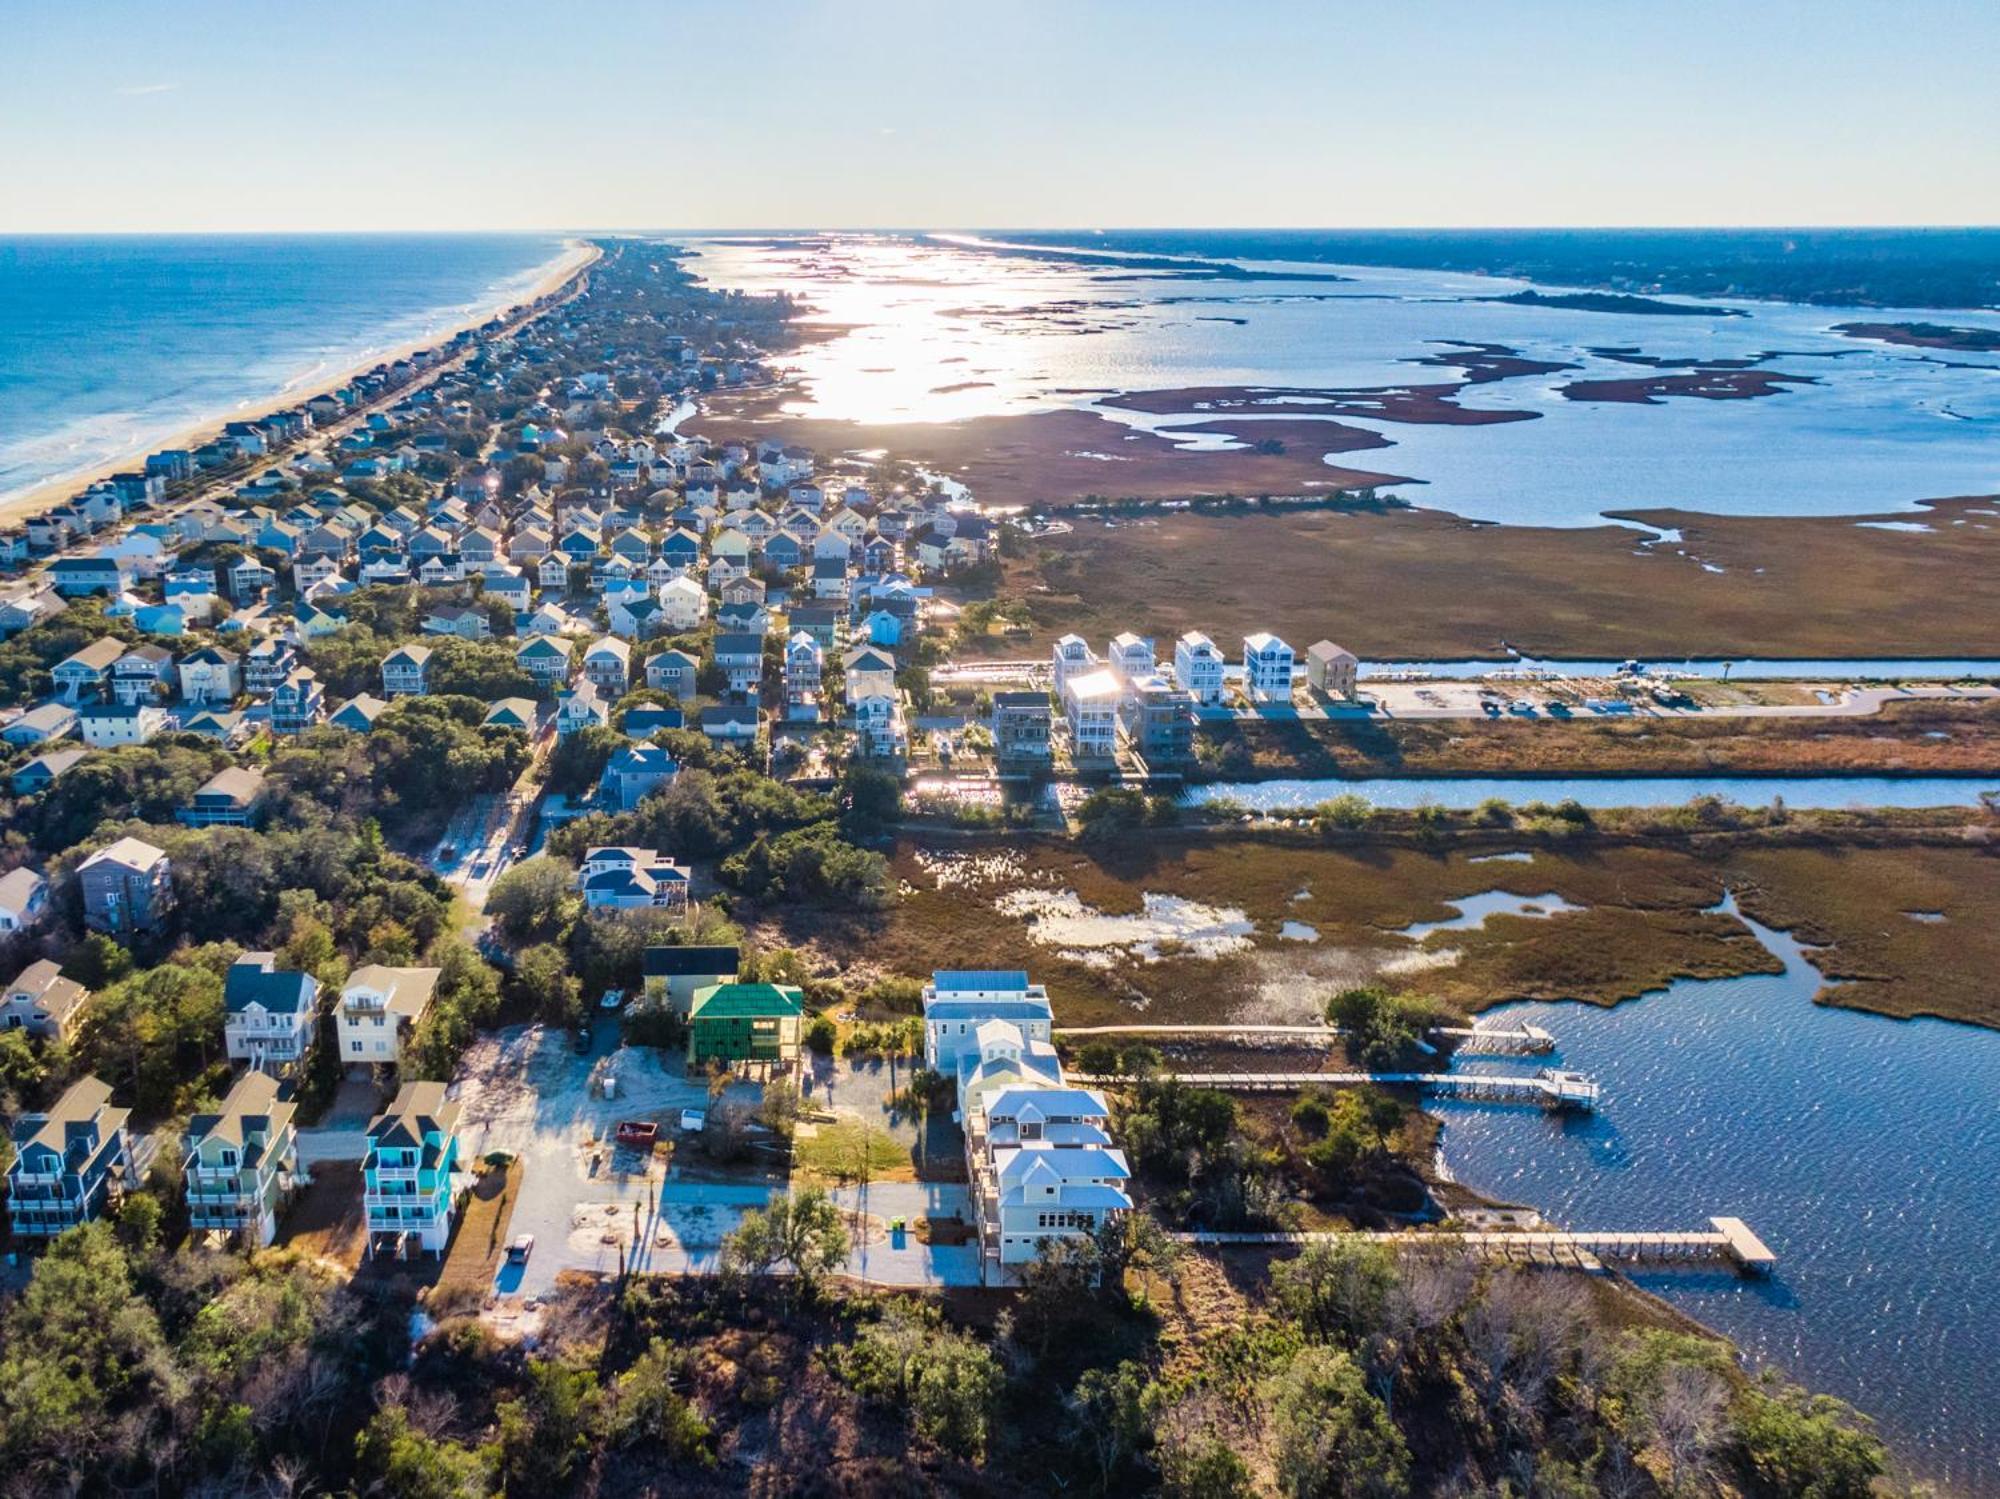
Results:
[354, 1045]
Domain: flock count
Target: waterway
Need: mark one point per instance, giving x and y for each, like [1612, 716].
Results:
[1862, 1149]
[1453, 793]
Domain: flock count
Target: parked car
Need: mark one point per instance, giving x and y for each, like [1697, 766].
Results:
[520, 1249]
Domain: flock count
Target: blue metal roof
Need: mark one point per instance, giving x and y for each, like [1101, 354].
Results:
[955, 981]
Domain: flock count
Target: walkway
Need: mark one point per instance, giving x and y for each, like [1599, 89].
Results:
[1729, 1239]
[1551, 1088]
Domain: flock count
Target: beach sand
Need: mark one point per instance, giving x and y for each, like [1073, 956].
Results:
[16, 508]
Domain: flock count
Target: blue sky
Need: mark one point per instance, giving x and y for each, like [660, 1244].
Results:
[202, 115]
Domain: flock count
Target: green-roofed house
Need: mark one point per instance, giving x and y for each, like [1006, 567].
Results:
[745, 1023]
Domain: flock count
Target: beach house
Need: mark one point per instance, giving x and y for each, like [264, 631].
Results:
[269, 1013]
[410, 1191]
[1267, 668]
[239, 1163]
[956, 1002]
[42, 1002]
[68, 1162]
[379, 1009]
[127, 888]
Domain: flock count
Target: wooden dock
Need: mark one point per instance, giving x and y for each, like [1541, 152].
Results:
[1551, 1088]
[1484, 1041]
[1729, 1241]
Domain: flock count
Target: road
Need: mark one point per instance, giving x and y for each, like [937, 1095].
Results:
[478, 845]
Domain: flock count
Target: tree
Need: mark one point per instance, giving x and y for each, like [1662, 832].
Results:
[801, 1231]
[958, 1383]
[1356, 1129]
[646, 1409]
[80, 1350]
[872, 797]
[1807, 1446]
[542, 978]
[1108, 1408]
[532, 899]
[1332, 1438]
[403, 1463]
[1336, 1290]
[545, 1433]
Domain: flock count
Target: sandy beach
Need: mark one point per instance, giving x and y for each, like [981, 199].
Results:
[17, 507]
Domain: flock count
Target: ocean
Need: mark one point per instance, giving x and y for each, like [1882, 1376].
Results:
[111, 345]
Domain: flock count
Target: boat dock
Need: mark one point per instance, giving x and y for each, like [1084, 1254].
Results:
[1728, 1240]
[1202, 1032]
[1528, 1040]
[1552, 1088]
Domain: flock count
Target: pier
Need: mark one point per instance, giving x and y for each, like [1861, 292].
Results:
[1728, 1241]
[1528, 1040]
[1552, 1088]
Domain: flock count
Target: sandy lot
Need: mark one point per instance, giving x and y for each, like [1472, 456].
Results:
[593, 1207]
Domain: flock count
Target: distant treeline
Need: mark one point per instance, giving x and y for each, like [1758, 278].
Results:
[1828, 267]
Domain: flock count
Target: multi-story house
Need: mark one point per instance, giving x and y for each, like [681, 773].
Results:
[803, 666]
[1331, 669]
[1020, 724]
[674, 975]
[633, 772]
[730, 1023]
[1156, 720]
[545, 658]
[1267, 668]
[673, 671]
[379, 1009]
[87, 669]
[608, 665]
[580, 707]
[211, 675]
[958, 1001]
[406, 671]
[267, 663]
[42, 1002]
[409, 1191]
[683, 604]
[107, 724]
[1131, 657]
[269, 1013]
[24, 899]
[238, 1164]
[298, 702]
[1199, 669]
[631, 879]
[127, 887]
[228, 798]
[68, 1163]
[144, 674]
[1090, 705]
[1070, 656]
[1038, 1152]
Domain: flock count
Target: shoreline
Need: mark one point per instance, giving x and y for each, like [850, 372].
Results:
[576, 256]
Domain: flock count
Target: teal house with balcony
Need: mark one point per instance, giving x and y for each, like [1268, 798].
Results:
[410, 1184]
